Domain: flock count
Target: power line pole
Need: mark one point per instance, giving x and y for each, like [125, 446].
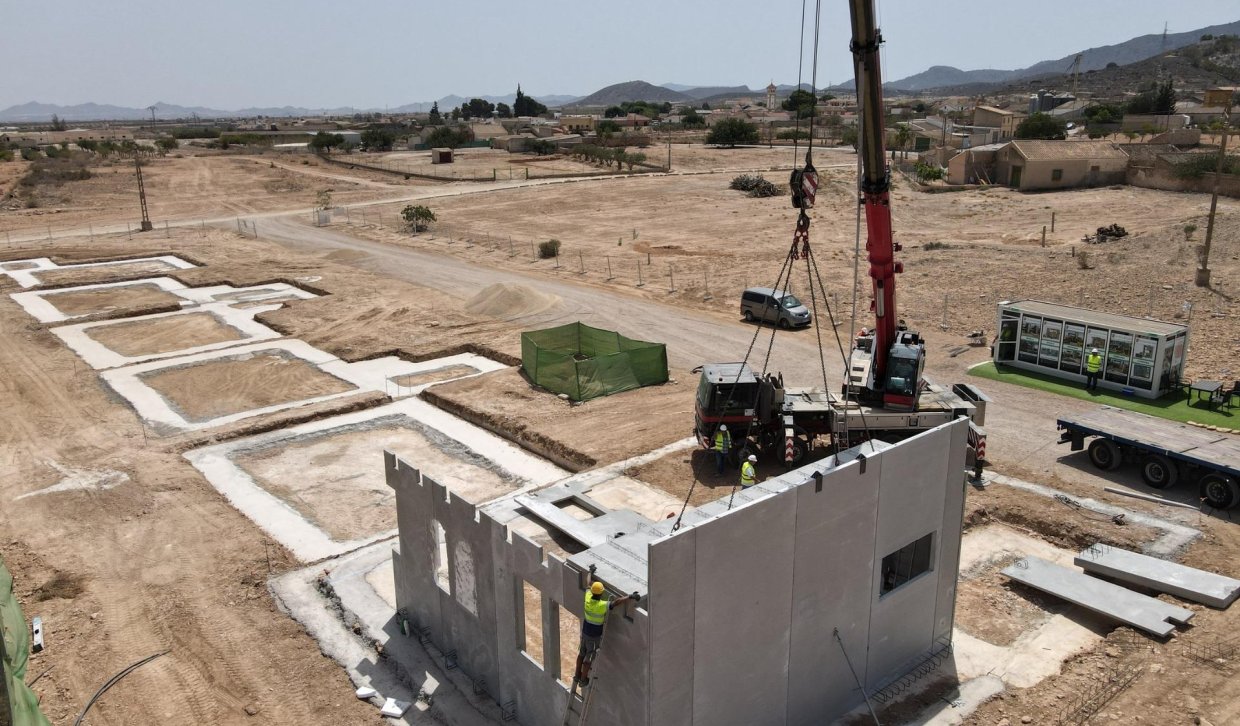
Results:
[146, 217]
[1203, 271]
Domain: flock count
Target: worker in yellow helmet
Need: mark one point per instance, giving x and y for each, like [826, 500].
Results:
[749, 475]
[597, 605]
[1093, 366]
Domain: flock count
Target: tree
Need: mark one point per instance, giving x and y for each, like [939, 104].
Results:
[523, 105]
[418, 218]
[1042, 126]
[434, 119]
[324, 142]
[479, 108]
[903, 136]
[801, 102]
[378, 140]
[503, 110]
[449, 137]
[732, 131]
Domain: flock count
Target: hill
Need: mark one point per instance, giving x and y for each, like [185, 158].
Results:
[632, 91]
[1126, 53]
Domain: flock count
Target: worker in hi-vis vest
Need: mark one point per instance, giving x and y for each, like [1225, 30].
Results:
[749, 475]
[597, 605]
[723, 445]
[1093, 366]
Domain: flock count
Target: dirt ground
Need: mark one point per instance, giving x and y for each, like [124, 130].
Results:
[224, 386]
[162, 562]
[107, 299]
[163, 335]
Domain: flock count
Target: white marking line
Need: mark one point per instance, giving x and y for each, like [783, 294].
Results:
[310, 543]
[28, 277]
[97, 355]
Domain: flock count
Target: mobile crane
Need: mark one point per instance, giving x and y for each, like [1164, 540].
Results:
[884, 395]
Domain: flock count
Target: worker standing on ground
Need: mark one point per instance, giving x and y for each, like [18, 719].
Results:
[1093, 366]
[723, 445]
[597, 605]
[749, 475]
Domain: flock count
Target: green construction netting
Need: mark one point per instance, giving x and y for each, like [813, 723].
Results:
[17, 702]
[585, 362]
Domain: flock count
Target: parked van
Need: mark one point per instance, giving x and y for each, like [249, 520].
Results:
[774, 306]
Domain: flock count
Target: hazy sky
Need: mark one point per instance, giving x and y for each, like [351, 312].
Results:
[375, 53]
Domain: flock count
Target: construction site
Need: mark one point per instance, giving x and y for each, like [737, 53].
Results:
[276, 454]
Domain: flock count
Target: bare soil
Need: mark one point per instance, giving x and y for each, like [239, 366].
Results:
[433, 376]
[163, 335]
[106, 299]
[336, 480]
[224, 386]
[104, 273]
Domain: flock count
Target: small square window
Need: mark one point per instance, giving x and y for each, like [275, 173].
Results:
[906, 563]
[1056, 174]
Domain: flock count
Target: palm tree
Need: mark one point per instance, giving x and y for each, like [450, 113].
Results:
[903, 136]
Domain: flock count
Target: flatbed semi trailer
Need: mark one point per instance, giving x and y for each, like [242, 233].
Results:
[1167, 452]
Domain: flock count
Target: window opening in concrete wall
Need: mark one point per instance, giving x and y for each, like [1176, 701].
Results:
[440, 556]
[906, 563]
[531, 615]
[570, 641]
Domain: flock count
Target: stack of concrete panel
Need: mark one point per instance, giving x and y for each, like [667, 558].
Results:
[1104, 598]
[1159, 575]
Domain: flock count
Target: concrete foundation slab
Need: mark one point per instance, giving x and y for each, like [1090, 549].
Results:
[1112, 601]
[1159, 575]
[282, 499]
[26, 272]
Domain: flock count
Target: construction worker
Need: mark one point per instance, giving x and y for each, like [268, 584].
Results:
[596, 607]
[723, 445]
[1093, 366]
[749, 476]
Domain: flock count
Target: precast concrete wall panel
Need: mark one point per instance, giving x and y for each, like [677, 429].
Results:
[833, 569]
[673, 571]
[743, 602]
[953, 521]
[911, 505]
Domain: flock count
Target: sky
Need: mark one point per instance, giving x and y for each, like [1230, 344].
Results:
[376, 53]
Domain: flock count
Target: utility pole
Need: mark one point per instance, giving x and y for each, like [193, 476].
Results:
[146, 217]
[1203, 270]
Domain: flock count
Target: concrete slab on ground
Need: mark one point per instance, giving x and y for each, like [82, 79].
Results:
[1113, 601]
[1160, 575]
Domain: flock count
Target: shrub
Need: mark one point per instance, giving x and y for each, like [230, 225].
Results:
[548, 249]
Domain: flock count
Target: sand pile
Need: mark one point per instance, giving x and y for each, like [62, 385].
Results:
[509, 300]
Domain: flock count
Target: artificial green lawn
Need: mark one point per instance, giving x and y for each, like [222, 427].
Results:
[1177, 406]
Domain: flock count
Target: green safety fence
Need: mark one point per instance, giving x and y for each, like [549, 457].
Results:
[18, 704]
[584, 362]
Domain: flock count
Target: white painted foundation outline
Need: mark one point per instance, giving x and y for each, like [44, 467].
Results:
[25, 272]
[41, 303]
[309, 542]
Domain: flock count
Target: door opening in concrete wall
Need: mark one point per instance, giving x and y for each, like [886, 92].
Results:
[531, 623]
[570, 641]
[440, 557]
[906, 563]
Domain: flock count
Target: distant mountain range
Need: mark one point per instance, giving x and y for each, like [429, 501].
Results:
[941, 78]
[1130, 51]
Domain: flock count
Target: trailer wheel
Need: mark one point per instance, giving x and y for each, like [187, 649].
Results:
[1159, 472]
[1220, 491]
[1105, 454]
